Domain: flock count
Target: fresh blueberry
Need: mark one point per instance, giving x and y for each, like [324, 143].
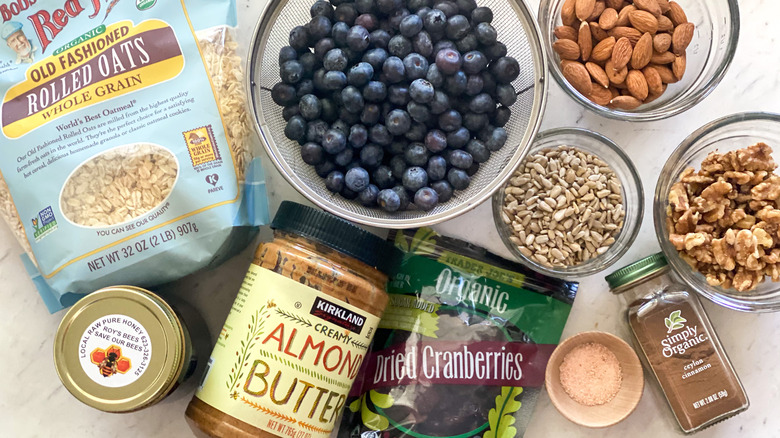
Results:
[357, 179]
[304, 87]
[398, 122]
[334, 181]
[456, 84]
[364, 6]
[423, 44]
[497, 139]
[458, 138]
[324, 168]
[376, 57]
[465, 7]
[345, 12]
[380, 38]
[335, 80]
[339, 33]
[395, 18]
[367, 20]
[444, 44]
[287, 53]
[436, 141]
[421, 91]
[474, 62]
[449, 8]
[440, 102]
[397, 165]
[501, 116]
[448, 61]
[375, 91]
[315, 131]
[358, 38]
[346, 193]
[358, 136]
[443, 189]
[344, 157]
[416, 66]
[426, 198]
[505, 69]
[352, 99]
[416, 132]
[505, 94]
[416, 5]
[319, 27]
[435, 22]
[478, 151]
[486, 34]
[471, 171]
[299, 38]
[360, 74]
[283, 94]
[393, 68]
[457, 27]
[321, 7]
[310, 107]
[335, 60]
[371, 155]
[399, 46]
[460, 159]
[342, 126]
[383, 176]
[334, 141]
[309, 62]
[474, 85]
[289, 111]
[482, 103]
[434, 76]
[370, 115]
[312, 153]
[437, 168]
[296, 128]
[450, 120]
[419, 112]
[380, 135]
[318, 79]
[415, 178]
[368, 196]
[481, 14]
[458, 179]
[348, 118]
[403, 195]
[489, 82]
[416, 154]
[398, 95]
[474, 122]
[389, 200]
[495, 51]
[423, 12]
[468, 43]
[410, 26]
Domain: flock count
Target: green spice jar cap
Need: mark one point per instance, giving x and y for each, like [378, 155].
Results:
[637, 270]
[337, 234]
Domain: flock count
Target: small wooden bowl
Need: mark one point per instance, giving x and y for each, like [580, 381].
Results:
[615, 410]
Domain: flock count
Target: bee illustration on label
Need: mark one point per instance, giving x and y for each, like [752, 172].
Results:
[110, 361]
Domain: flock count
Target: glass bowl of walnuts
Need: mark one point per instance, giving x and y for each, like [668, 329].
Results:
[717, 211]
[639, 60]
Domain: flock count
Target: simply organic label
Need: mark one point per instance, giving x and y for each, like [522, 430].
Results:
[287, 356]
[680, 336]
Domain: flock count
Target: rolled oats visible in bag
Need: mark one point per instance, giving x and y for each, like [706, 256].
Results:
[126, 156]
[462, 347]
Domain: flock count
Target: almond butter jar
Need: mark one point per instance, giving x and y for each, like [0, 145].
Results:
[298, 331]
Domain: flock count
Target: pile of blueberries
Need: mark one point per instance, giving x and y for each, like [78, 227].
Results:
[396, 102]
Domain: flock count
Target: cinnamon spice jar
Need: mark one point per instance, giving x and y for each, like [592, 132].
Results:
[298, 330]
[674, 333]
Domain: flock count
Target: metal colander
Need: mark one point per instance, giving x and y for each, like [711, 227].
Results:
[516, 28]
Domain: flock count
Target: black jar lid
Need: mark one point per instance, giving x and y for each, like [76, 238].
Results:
[338, 234]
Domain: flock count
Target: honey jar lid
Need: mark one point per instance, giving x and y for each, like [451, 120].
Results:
[120, 349]
[336, 233]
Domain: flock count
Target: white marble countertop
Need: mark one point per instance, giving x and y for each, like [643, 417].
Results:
[34, 403]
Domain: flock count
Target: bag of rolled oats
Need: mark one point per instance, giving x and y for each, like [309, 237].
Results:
[125, 155]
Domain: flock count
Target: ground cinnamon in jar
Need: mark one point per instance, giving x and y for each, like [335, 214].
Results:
[590, 373]
[298, 330]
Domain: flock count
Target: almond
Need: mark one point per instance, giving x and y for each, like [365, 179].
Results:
[643, 21]
[637, 84]
[661, 42]
[632, 34]
[578, 77]
[616, 76]
[603, 50]
[650, 6]
[665, 24]
[600, 95]
[598, 74]
[667, 76]
[608, 19]
[664, 5]
[623, 15]
[614, 4]
[568, 16]
[662, 58]
[676, 14]
[682, 36]
[597, 10]
[653, 96]
[570, 33]
[585, 41]
[643, 51]
[654, 83]
[597, 32]
[678, 66]
[621, 53]
[567, 49]
[583, 8]
[625, 102]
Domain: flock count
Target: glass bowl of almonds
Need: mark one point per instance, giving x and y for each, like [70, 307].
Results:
[717, 211]
[574, 205]
[639, 60]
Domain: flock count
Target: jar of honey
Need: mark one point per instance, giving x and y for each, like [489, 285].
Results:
[298, 330]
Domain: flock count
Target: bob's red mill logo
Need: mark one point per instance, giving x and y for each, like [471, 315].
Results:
[48, 24]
